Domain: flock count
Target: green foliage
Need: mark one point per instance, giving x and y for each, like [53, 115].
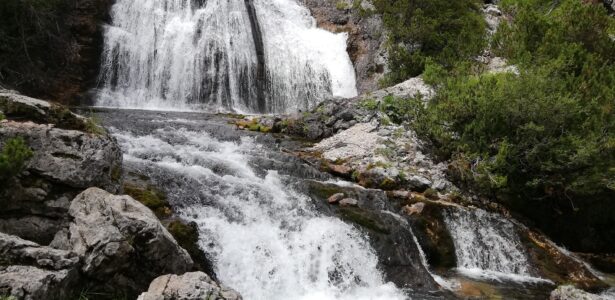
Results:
[547, 132]
[13, 157]
[445, 31]
[342, 5]
[2, 117]
[92, 125]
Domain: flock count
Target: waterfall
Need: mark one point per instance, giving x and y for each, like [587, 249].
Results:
[266, 239]
[221, 55]
[487, 245]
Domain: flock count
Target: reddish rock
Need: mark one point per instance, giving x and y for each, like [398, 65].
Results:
[340, 170]
[335, 198]
[416, 208]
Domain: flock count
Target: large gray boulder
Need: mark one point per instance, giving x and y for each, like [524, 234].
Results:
[190, 286]
[74, 158]
[30, 271]
[122, 243]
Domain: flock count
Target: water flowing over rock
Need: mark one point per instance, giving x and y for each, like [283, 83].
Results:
[247, 56]
[266, 238]
[488, 245]
[194, 285]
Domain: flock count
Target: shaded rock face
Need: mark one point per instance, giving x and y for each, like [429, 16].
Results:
[30, 271]
[64, 69]
[122, 243]
[67, 159]
[366, 38]
[194, 285]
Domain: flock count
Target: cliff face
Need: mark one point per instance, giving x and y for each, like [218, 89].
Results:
[53, 51]
[366, 37]
[85, 22]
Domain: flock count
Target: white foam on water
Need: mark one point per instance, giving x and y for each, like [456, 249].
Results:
[487, 246]
[267, 240]
[201, 55]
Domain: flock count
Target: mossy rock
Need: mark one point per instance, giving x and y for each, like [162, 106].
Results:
[187, 236]
[558, 266]
[323, 190]
[363, 218]
[151, 197]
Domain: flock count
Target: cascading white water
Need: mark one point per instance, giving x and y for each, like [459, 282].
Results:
[196, 54]
[267, 240]
[487, 245]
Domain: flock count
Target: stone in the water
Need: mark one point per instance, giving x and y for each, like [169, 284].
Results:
[349, 202]
[335, 198]
[416, 208]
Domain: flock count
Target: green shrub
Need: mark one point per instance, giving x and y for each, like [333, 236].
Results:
[546, 133]
[445, 31]
[13, 157]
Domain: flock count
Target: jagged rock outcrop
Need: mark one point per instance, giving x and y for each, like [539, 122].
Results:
[30, 271]
[70, 154]
[194, 285]
[122, 243]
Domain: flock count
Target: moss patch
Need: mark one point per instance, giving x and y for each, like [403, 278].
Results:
[364, 219]
[151, 197]
[187, 236]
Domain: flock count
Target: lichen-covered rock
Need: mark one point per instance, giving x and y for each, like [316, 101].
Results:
[74, 158]
[67, 158]
[17, 251]
[410, 88]
[569, 292]
[30, 271]
[32, 283]
[189, 286]
[356, 142]
[16, 106]
[122, 243]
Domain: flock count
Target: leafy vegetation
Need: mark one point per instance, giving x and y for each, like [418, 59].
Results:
[545, 133]
[13, 157]
[444, 31]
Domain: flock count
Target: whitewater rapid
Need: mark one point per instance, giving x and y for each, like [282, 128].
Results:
[265, 238]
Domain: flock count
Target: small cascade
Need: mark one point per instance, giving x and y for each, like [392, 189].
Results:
[266, 239]
[254, 56]
[487, 245]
